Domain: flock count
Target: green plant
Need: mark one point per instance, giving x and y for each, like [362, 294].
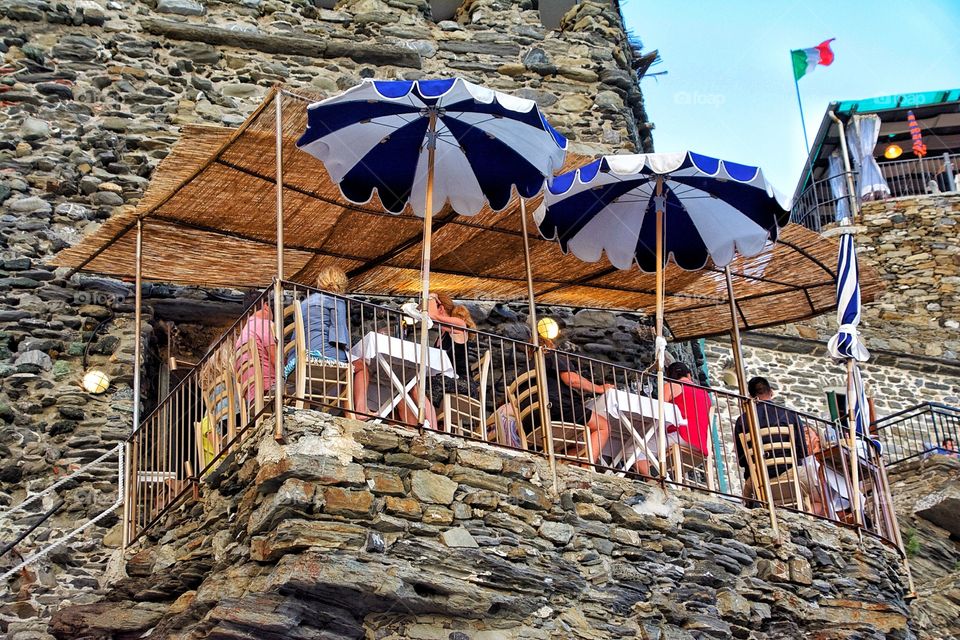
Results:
[61, 369]
[911, 542]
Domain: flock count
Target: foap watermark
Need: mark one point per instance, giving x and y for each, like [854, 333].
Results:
[697, 98]
[101, 298]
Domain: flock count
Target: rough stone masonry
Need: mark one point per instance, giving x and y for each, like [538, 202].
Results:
[351, 530]
[93, 93]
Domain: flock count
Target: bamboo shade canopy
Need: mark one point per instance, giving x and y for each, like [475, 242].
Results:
[209, 220]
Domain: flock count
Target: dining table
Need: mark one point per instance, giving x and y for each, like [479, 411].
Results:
[397, 366]
[633, 421]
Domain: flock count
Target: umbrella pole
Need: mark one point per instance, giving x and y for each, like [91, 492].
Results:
[539, 361]
[278, 385]
[854, 454]
[425, 269]
[661, 409]
[749, 408]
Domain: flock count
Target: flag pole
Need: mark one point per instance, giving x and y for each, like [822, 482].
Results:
[803, 122]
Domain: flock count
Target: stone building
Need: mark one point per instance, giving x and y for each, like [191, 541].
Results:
[94, 93]
[910, 237]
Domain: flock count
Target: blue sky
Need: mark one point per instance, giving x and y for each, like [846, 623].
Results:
[729, 89]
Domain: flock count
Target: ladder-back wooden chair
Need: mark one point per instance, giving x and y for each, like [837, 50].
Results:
[569, 438]
[249, 381]
[777, 449]
[688, 465]
[318, 383]
[465, 415]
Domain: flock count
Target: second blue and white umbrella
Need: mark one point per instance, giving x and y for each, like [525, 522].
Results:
[652, 208]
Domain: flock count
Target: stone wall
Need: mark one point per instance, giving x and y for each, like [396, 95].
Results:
[352, 530]
[926, 496]
[802, 372]
[914, 243]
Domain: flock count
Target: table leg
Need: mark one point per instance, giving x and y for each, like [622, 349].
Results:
[403, 390]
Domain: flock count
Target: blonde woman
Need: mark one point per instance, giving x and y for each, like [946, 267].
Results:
[454, 321]
[327, 329]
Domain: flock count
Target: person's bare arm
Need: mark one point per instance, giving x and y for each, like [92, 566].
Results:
[576, 381]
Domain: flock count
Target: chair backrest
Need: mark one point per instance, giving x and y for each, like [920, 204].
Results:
[523, 394]
[778, 452]
[294, 341]
[249, 379]
[295, 345]
[690, 464]
[466, 415]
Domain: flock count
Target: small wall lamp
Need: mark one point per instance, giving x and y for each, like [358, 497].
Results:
[548, 328]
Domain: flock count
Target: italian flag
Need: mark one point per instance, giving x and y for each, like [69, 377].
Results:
[806, 60]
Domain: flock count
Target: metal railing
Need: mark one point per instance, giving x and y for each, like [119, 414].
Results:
[89, 472]
[817, 206]
[919, 431]
[360, 359]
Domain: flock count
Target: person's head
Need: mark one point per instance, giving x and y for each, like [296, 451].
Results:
[949, 444]
[332, 279]
[678, 371]
[262, 308]
[460, 311]
[759, 388]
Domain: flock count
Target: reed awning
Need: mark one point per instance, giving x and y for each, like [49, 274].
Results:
[209, 220]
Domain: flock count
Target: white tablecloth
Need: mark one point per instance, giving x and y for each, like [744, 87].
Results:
[402, 353]
[617, 404]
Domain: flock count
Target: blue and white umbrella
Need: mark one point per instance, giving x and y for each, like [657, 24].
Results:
[425, 143]
[846, 346]
[376, 138]
[652, 208]
[712, 209]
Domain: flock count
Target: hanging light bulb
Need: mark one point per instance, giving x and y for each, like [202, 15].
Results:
[892, 151]
[548, 328]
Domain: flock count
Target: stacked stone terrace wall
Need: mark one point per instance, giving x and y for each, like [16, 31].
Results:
[915, 245]
[351, 530]
[92, 95]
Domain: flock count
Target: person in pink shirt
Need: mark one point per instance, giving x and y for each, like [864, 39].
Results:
[259, 326]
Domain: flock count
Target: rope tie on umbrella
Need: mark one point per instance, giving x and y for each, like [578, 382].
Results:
[660, 344]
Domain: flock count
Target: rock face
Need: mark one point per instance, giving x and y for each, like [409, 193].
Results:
[93, 94]
[919, 488]
[268, 555]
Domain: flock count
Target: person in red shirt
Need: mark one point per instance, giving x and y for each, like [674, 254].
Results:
[693, 404]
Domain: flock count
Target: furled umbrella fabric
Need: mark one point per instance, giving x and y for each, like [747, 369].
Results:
[846, 343]
[373, 139]
[846, 346]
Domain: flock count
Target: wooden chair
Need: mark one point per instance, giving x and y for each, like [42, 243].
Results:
[317, 384]
[777, 449]
[687, 464]
[569, 438]
[249, 379]
[466, 416]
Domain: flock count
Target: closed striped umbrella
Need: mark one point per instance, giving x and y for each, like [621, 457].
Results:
[846, 346]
